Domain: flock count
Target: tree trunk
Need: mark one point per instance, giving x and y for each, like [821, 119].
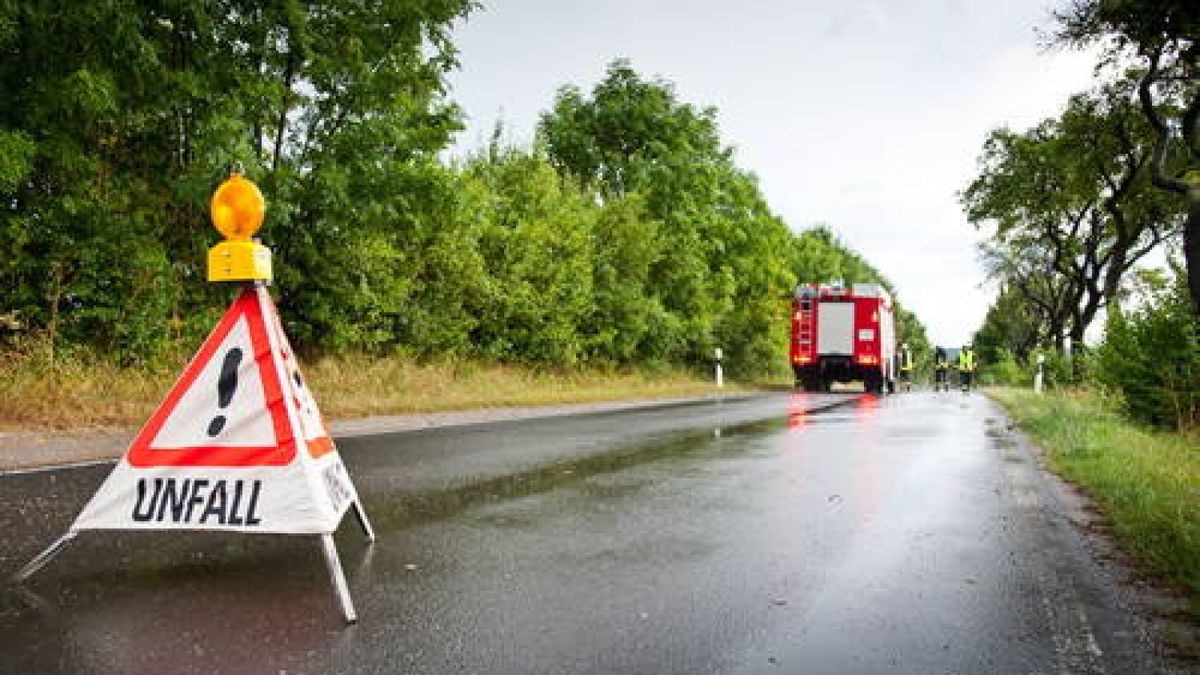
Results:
[1191, 247]
[1188, 186]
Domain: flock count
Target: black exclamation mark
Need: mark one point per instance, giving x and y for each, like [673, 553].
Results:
[226, 385]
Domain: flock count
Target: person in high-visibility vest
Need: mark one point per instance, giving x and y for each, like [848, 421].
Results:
[940, 367]
[966, 366]
[906, 366]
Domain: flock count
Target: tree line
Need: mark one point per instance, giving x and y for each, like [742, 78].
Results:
[1076, 202]
[625, 234]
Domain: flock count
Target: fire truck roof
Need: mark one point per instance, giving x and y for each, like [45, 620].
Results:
[854, 290]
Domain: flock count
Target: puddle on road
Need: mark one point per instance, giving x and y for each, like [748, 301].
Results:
[408, 508]
[802, 412]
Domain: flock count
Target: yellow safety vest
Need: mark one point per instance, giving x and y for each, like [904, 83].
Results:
[966, 361]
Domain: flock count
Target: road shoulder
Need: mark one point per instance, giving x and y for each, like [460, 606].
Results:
[1105, 584]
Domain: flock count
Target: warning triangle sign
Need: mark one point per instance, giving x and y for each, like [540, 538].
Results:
[239, 443]
[221, 451]
[228, 407]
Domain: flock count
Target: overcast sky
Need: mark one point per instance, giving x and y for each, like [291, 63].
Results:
[865, 116]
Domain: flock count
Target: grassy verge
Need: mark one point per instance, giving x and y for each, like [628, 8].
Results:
[1145, 483]
[72, 394]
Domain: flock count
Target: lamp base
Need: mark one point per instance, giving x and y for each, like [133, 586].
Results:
[239, 261]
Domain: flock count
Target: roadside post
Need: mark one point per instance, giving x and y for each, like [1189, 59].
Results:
[719, 373]
[238, 444]
[1038, 378]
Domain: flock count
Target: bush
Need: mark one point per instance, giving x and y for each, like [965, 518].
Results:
[1151, 357]
[1005, 371]
[1058, 370]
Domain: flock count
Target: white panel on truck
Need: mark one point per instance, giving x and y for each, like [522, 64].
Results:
[835, 329]
[871, 291]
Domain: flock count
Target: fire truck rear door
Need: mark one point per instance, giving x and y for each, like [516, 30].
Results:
[835, 329]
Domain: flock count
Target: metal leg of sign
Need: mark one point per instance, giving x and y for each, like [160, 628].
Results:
[338, 578]
[44, 557]
[361, 514]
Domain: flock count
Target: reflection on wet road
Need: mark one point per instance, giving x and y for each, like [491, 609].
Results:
[784, 533]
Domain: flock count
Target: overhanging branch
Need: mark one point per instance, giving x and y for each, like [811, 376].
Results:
[1162, 134]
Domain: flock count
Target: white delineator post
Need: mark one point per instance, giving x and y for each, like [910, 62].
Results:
[1037, 379]
[720, 375]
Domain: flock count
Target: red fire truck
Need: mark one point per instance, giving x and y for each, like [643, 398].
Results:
[843, 334]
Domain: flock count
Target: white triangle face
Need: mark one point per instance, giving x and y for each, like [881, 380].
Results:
[312, 425]
[310, 418]
[225, 406]
[238, 444]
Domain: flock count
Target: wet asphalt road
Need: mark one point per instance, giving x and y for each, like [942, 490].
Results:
[775, 534]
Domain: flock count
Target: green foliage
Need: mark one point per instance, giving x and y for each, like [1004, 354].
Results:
[1159, 39]
[136, 110]
[1072, 210]
[1058, 370]
[1009, 327]
[628, 131]
[1151, 356]
[626, 236]
[536, 245]
[626, 315]
[720, 260]
[1003, 369]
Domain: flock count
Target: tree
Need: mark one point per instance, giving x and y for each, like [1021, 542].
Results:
[1010, 326]
[1072, 208]
[536, 246]
[722, 256]
[120, 118]
[1151, 355]
[627, 314]
[611, 140]
[627, 234]
[1161, 37]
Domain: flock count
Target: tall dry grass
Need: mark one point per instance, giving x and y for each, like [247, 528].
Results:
[69, 392]
[72, 392]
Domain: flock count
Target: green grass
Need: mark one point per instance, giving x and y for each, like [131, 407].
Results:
[1145, 483]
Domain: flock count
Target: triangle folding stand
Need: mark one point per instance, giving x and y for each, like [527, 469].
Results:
[238, 445]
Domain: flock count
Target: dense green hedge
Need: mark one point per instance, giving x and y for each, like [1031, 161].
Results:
[1151, 356]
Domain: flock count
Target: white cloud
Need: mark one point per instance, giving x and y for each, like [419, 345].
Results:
[857, 19]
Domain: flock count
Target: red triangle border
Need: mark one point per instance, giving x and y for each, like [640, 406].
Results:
[142, 455]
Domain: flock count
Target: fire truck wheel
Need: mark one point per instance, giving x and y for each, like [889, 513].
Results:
[873, 383]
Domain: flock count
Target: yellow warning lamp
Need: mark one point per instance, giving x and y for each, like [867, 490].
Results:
[237, 210]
